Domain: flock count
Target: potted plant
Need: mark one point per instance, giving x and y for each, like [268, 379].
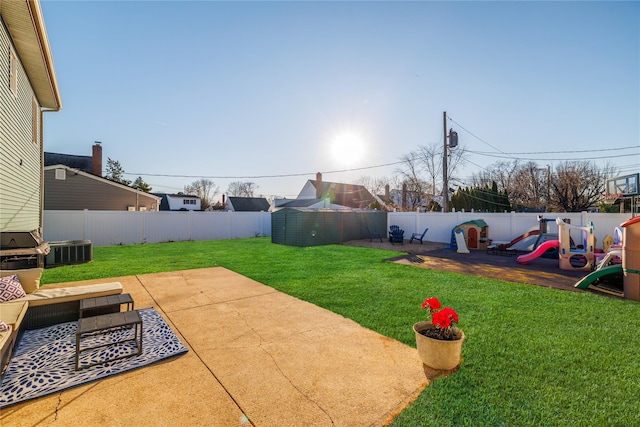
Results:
[439, 341]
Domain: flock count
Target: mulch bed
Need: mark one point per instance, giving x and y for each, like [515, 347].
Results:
[542, 271]
[437, 256]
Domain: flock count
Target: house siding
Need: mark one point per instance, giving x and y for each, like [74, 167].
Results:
[308, 191]
[20, 156]
[78, 192]
[176, 203]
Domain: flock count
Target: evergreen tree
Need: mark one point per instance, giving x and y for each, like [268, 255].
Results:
[139, 184]
[115, 172]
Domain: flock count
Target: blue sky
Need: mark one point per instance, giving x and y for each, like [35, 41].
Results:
[233, 91]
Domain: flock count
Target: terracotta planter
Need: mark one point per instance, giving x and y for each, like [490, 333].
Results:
[437, 354]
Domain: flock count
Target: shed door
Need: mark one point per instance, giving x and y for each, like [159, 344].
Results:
[473, 238]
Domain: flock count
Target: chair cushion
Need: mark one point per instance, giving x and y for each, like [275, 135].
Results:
[46, 295]
[13, 312]
[29, 278]
[10, 288]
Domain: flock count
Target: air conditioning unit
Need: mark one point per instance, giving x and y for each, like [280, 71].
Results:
[69, 252]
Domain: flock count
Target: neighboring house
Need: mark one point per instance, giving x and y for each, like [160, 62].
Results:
[90, 164]
[306, 203]
[344, 195]
[247, 204]
[28, 89]
[405, 200]
[66, 188]
[179, 202]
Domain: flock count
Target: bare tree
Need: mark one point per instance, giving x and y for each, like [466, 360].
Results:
[529, 187]
[502, 173]
[375, 186]
[413, 186]
[205, 189]
[242, 189]
[578, 185]
[572, 187]
[430, 157]
[457, 158]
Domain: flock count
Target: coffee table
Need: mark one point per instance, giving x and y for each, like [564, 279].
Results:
[102, 324]
[104, 305]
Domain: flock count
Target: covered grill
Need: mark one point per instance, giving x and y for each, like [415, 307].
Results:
[22, 250]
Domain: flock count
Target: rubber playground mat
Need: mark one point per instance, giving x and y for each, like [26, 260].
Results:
[542, 271]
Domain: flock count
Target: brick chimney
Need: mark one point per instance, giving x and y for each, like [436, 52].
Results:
[96, 159]
[318, 185]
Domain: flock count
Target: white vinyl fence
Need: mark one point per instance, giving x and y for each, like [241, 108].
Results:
[108, 228]
[502, 226]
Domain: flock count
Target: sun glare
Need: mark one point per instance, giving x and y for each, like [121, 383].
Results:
[348, 148]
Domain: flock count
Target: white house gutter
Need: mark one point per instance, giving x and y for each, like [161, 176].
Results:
[45, 49]
[25, 23]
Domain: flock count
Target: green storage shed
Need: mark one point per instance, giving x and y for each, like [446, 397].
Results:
[314, 227]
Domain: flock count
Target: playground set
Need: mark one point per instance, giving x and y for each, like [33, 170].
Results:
[472, 234]
[615, 269]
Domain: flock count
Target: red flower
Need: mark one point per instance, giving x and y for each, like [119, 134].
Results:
[432, 303]
[444, 317]
[444, 320]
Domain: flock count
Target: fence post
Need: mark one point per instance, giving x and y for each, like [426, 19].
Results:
[266, 225]
[142, 227]
[85, 223]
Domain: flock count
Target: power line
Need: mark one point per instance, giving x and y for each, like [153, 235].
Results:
[462, 195]
[549, 160]
[476, 136]
[510, 155]
[482, 153]
[291, 175]
[565, 151]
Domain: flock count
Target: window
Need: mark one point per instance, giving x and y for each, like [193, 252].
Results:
[188, 201]
[13, 73]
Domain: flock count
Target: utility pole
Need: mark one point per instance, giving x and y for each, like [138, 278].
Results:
[445, 178]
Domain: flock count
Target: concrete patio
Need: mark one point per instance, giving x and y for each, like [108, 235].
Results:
[256, 357]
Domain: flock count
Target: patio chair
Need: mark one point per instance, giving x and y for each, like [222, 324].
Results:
[418, 236]
[373, 234]
[392, 228]
[397, 236]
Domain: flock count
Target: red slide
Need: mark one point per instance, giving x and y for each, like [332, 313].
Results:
[506, 246]
[538, 252]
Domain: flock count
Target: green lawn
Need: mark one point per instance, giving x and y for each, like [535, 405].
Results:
[533, 355]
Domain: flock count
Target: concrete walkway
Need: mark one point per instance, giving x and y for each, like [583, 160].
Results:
[256, 357]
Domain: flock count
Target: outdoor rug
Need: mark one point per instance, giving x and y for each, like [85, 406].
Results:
[44, 361]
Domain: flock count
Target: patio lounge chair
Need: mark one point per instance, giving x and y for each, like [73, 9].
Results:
[418, 236]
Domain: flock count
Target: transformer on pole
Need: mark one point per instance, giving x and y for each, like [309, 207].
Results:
[453, 143]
